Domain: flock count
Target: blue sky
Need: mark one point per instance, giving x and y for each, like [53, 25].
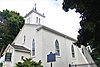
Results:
[56, 18]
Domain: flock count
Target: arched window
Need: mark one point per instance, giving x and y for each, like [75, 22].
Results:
[33, 47]
[24, 39]
[57, 50]
[36, 19]
[73, 53]
[39, 20]
[82, 50]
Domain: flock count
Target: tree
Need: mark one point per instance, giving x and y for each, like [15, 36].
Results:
[10, 24]
[89, 33]
[28, 62]
[1, 64]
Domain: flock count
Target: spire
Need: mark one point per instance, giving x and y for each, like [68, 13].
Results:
[35, 6]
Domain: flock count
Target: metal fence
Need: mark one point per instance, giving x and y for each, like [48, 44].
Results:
[83, 65]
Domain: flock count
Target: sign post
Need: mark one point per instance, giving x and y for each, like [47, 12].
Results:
[51, 64]
[51, 58]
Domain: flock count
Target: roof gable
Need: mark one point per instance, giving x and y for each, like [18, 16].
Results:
[35, 11]
[56, 32]
[21, 48]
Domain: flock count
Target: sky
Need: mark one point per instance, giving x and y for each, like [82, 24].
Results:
[56, 18]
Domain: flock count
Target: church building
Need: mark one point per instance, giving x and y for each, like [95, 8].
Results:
[37, 41]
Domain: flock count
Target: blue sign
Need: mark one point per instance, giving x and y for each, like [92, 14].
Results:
[51, 57]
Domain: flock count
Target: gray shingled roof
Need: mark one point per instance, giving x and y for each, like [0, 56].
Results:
[18, 47]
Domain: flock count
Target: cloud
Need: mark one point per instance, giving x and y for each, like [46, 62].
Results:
[56, 18]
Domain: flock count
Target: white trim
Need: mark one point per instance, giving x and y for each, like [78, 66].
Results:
[7, 48]
[82, 55]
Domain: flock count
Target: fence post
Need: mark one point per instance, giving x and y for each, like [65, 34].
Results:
[69, 65]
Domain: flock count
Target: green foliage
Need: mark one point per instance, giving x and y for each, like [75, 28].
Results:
[89, 33]
[28, 62]
[10, 24]
[1, 64]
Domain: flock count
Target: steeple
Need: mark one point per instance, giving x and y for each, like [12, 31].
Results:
[34, 17]
[35, 7]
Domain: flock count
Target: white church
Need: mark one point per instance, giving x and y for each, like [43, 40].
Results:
[36, 41]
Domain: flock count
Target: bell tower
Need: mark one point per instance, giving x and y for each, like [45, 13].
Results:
[34, 17]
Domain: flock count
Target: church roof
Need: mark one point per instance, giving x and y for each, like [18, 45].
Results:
[21, 48]
[35, 11]
[51, 30]
[56, 32]
[39, 27]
